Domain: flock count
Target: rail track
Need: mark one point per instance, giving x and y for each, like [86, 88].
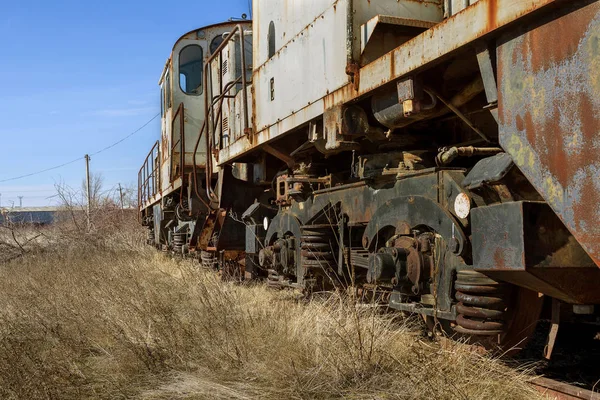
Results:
[562, 391]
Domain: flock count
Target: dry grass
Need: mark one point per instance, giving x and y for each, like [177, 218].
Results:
[117, 321]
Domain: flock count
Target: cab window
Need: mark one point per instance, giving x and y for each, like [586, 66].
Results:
[215, 43]
[190, 69]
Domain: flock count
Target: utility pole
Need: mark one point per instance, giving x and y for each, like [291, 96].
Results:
[20, 201]
[0, 200]
[121, 196]
[87, 181]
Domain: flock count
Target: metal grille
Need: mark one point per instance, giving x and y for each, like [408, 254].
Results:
[225, 124]
[224, 68]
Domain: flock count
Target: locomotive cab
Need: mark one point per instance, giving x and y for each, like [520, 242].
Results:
[172, 180]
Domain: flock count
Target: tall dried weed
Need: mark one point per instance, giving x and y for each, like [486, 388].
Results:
[107, 318]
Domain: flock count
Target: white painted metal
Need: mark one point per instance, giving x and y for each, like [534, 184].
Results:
[480, 18]
[309, 62]
[312, 52]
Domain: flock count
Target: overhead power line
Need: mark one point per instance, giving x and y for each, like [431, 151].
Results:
[42, 171]
[81, 158]
[126, 137]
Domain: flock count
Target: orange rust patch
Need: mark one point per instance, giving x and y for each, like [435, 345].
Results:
[558, 40]
[560, 162]
[492, 15]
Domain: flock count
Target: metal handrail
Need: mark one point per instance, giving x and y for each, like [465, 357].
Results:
[149, 176]
[209, 109]
[179, 112]
[217, 100]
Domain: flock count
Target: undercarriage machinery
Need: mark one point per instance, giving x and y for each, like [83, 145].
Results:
[442, 156]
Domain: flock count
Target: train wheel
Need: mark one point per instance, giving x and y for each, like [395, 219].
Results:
[522, 317]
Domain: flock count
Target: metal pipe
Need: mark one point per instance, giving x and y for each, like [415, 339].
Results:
[350, 33]
[194, 172]
[447, 155]
[244, 87]
[390, 112]
[208, 173]
[180, 111]
[217, 99]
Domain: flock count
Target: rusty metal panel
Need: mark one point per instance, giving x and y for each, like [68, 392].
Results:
[549, 93]
[412, 11]
[455, 6]
[525, 243]
[478, 20]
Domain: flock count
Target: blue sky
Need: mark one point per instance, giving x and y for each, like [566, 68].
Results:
[80, 75]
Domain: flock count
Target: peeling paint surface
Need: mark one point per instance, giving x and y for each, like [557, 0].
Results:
[549, 76]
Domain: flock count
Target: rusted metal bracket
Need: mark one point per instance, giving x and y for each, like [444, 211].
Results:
[353, 70]
[248, 133]
[280, 155]
[553, 329]
[414, 210]
[488, 75]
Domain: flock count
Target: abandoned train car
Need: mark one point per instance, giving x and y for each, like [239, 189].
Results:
[443, 155]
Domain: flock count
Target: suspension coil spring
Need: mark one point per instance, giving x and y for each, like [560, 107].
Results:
[179, 239]
[318, 247]
[208, 259]
[482, 304]
[150, 236]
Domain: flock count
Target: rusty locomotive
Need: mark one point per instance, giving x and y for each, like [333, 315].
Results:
[441, 154]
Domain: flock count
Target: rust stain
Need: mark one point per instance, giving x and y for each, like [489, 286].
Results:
[492, 15]
[563, 161]
[499, 259]
[549, 120]
[337, 97]
[559, 42]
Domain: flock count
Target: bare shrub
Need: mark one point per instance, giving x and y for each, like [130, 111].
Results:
[122, 321]
[18, 239]
[110, 223]
[111, 226]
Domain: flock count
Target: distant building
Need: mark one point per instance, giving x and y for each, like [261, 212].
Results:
[29, 215]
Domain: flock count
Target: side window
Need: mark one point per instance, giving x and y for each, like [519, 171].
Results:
[190, 69]
[168, 91]
[162, 100]
[271, 39]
